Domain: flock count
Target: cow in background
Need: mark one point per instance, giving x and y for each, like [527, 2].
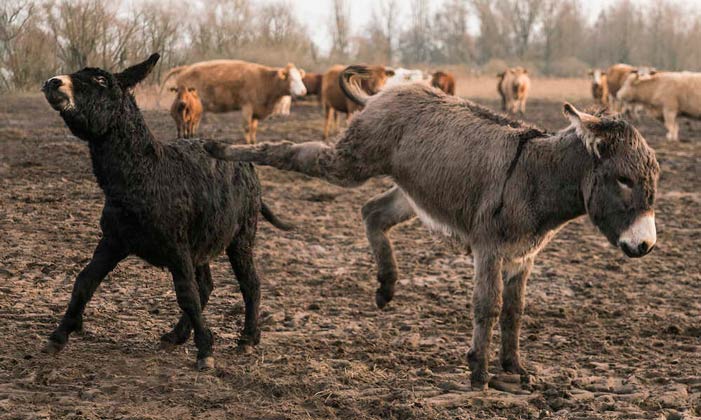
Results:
[229, 85]
[186, 111]
[513, 88]
[665, 95]
[335, 101]
[599, 86]
[443, 81]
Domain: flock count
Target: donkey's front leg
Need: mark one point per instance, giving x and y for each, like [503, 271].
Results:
[515, 275]
[106, 256]
[486, 307]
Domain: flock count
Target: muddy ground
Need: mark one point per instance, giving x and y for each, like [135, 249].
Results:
[606, 336]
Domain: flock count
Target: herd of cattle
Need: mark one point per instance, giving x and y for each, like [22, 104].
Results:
[260, 91]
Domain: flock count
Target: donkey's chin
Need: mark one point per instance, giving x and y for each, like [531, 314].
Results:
[58, 101]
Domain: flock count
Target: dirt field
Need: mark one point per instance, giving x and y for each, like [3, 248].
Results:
[607, 337]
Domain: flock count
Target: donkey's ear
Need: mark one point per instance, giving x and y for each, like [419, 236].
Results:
[584, 123]
[136, 73]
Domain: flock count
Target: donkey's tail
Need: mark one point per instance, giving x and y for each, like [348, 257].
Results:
[273, 219]
[349, 81]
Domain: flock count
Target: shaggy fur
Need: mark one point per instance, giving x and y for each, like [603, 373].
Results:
[168, 203]
[501, 187]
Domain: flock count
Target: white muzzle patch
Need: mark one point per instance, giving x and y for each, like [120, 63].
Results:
[297, 87]
[641, 232]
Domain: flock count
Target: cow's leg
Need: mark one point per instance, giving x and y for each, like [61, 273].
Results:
[315, 159]
[380, 214]
[514, 275]
[254, 129]
[240, 253]
[188, 295]
[329, 115]
[670, 122]
[247, 118]
[486, 307]
[181, 330]
[106, 256]
[523, 106]
[179, 126]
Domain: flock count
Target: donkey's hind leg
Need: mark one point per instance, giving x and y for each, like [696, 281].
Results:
[380, 214]
[315, 159]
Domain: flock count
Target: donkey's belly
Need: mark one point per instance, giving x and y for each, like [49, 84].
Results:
[433, 223]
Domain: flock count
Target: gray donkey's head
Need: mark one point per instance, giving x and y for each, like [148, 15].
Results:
[619, 194]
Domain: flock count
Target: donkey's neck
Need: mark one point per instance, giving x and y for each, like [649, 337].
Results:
[559, 166]
[125, 156]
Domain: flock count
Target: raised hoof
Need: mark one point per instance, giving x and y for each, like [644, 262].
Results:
[206, 363]
[382, 298]
[52, 347]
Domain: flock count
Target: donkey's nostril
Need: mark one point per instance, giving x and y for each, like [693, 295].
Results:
[644, 248]
[54, 83]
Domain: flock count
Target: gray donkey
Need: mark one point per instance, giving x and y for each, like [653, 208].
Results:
[501, 187]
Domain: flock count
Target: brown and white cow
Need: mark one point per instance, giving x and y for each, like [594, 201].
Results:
[665, 95]
[229, 85]
[513, 88]
[334, 100]
[443, 81]
[186, 111]
[615, 76]
[599, 86]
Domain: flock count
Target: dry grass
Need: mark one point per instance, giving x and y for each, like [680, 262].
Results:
[553, 89]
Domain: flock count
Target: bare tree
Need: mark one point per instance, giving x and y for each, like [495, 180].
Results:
[340, 29]
[454, 44]
[522, 17]
[416, 45]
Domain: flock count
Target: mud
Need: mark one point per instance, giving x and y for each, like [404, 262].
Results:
[606, 337]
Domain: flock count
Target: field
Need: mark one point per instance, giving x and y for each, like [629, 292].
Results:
[606, 337]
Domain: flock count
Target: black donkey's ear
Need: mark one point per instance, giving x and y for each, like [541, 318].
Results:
[136, 73]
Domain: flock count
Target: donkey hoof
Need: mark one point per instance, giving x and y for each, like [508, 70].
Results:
[382, 299]
[206, 363]
[478, 385]
[52, 347]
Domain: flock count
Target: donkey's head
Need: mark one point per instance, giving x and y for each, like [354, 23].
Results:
[619, 194]
[92, 99]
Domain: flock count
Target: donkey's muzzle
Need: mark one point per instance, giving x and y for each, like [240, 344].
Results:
[52, 85]
[640, 237]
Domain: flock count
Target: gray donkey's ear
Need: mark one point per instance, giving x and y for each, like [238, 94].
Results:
[136, 73]
[583, 123]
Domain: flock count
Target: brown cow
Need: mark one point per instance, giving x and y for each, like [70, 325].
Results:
[513, 88]
[443, 81]
[186, 111]
[229, 85]
[615, 76]
[313, 81]
[599, 86]
[334, 100]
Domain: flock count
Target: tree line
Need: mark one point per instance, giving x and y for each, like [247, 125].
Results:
[550, 37]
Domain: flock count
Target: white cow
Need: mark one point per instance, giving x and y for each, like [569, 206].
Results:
[402, 76]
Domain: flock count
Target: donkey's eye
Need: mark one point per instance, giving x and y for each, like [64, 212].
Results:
[100, 80]
[625, 182]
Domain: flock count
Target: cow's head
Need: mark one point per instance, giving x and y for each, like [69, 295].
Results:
[90, 100]
[619, 194]
[597, 76]
[293, 76]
